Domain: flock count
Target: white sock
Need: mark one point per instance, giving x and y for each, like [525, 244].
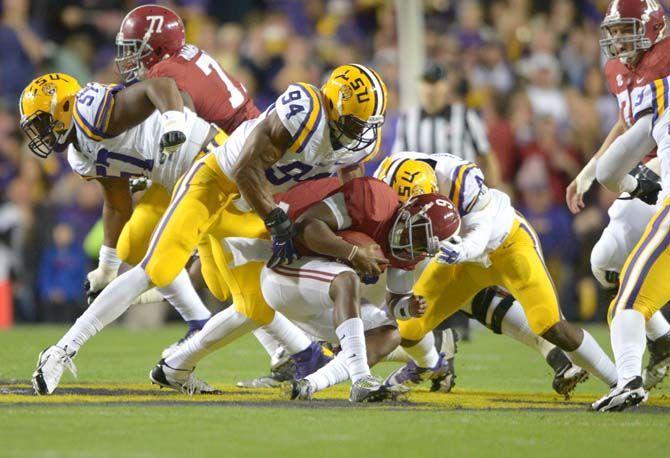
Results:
[398, 355]
[107, 307]
[331, 374]
[220, 330]
[515, 325]
[182, 296]
[628, 341]
[269, 343]
[351, 335]
[287, 334]
[657, 326]
[591, 357]
[424, 353]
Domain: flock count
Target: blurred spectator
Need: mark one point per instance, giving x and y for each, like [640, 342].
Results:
[62, 272]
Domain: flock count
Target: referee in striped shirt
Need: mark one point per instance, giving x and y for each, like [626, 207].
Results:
[438, 126]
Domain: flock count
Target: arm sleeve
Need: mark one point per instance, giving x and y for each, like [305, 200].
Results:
[299, 110]
[623, 155]
[476, 232]
[477, 132]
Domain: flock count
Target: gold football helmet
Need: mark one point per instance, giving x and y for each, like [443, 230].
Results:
[410, 178]
[46, 107]
[355, 99]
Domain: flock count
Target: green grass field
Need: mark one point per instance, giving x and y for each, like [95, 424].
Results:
[503, 406]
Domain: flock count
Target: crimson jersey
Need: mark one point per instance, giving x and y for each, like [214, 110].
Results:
[364, 205]
[217, 97]
[654, 64]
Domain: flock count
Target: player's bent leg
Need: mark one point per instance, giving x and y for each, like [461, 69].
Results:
[499, 311]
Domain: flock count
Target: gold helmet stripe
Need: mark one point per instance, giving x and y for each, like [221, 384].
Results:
[455, 194]
[311, 121]
[377, 90]
[382, 88]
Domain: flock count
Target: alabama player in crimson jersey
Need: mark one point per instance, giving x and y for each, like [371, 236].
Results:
[404, 233]
[634, 40]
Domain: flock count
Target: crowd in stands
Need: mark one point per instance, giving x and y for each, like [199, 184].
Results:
[533, 69]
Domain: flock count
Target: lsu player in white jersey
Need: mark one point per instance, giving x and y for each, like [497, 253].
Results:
[628, 218]
[111, 134]
[307, 133]
[643, 286]
[411, 173]
[496, 246]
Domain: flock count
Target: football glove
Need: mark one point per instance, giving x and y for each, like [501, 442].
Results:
[646, 190]
[282, 231]
[451, 251]
[174, 128]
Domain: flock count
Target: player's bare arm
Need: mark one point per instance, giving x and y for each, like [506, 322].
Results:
[574, 194]
[405, 306]
[316, 230]
[265, 146]
[117, 208]
[349, 173]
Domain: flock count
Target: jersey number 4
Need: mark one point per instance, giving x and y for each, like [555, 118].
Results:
[207, 65]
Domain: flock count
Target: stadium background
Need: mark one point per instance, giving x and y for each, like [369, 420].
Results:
[531, 68]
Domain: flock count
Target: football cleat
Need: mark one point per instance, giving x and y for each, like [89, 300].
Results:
[369, 389]
[278, 374]
[442, 376]
[619, 399]
[566, 374]
[310, 360]
[297, 389]
[51, 363]
[659, 362]
[182, 380]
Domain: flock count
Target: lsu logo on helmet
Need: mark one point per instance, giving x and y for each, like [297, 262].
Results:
[46, 107]
[355, 97]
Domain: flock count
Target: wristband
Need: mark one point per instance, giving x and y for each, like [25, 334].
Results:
[108, 260]
[401, 309]
[173, 121]
[586, 176]
[354, 250]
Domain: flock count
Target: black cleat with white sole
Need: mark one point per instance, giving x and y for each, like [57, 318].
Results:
[619, 399]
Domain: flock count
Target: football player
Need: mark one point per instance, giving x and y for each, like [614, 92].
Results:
[643, 288]
[496, 246]
[307, 133]
[404, 234]
[634, 41]
[412, 174]
[151, 44]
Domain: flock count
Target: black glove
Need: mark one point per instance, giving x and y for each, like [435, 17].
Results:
[171, 141]
[282, 231]
[646, 190]
[90, 294]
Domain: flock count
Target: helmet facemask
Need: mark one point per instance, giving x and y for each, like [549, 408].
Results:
[355, 134]
[44, 133]
[624, 46]
[130, 54]
[411, 236]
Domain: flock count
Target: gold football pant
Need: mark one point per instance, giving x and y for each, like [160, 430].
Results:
[201, 212]
[644, 276]
[516, 265]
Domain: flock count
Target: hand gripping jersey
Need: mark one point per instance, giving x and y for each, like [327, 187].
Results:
[463, 183]
[622, 80]
[363, 205]
[311, 153]
[135, 152]
[217, 97]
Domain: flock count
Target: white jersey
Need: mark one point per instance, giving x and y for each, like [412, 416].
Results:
[652, 100]
[135, 152]
[463, 182]
[311, 154]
